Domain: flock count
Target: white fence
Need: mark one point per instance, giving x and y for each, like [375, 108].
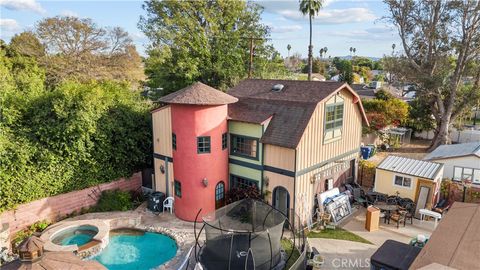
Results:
[462, 136]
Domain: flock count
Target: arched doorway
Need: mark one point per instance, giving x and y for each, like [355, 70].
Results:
[220, 195]
[281, 200]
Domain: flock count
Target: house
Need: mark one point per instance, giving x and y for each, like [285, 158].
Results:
[462, 161]
[410, 178]
[290, 139]
[363, 91]
[454, 243]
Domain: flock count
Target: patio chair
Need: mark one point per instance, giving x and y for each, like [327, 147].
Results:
[399, 217]
[410, 208]
[358, 198]
[381, 198]
[168, 204]
[442, 206]
[392, 200]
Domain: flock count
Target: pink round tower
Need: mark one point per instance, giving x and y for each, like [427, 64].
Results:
[200, 158]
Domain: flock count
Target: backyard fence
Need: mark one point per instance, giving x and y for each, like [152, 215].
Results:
[59, 206]
[454, 191]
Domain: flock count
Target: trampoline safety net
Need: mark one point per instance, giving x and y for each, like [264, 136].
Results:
[243, 235]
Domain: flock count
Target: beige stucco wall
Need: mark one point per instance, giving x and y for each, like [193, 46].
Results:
[279, 157]
[160, 177]
[162, 131]
[275, 180]
[384, 183]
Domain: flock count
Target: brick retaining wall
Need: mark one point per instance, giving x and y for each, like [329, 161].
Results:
[56, 207]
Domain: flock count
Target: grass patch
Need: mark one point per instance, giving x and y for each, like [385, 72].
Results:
[339, 234]
[287, 245]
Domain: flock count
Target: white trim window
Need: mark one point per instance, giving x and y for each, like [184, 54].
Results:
[333, 118]
[402, 181]
[463, 173]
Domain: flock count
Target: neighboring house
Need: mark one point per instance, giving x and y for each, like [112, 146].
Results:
[290, 139]
[462, 161]
[318, 77]
[415, 179]
[363, 90]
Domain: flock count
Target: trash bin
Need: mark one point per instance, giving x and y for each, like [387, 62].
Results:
[155, 201]
[365, 152]
[373, 149]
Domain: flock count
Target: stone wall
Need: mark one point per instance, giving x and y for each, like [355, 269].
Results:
[57, 207]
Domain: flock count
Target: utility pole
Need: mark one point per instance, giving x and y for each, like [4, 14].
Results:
[252, 49]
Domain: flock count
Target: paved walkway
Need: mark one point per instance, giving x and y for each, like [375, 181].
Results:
[341, 254]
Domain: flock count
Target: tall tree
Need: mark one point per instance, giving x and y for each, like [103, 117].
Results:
[81, 50]
[204, 41]
[26, 43]
[441, 44]
[310, 8]
[289, 47]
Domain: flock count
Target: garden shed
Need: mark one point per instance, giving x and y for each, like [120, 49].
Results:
[417, 180]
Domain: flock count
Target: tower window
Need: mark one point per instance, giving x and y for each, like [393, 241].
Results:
[203, 144]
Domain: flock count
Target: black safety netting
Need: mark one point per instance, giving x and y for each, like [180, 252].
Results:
[243, 235]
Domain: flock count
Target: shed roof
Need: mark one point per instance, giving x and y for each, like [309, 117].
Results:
[290, 109]
[410, 166]
[455, 241]
[199, 94]
[455, 150]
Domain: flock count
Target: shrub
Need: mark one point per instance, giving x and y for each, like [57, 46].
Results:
[237, 194]
[38, 226]
[114, 200]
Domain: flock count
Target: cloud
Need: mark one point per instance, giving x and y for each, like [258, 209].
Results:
[28, 5]
[374, 33]
[333, 16]
[9, 25]
[285, 28]
[69, 13]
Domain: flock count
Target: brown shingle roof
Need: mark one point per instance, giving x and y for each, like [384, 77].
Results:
[290, 109]
[302, 91]
[289, 118]
[455, 241]
[199, 94]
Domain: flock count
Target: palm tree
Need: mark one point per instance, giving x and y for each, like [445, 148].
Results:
[351, 50]
[325, 49]
[393, 48]
[310, 7]
[354, 51]
[289, 47]
[321, 52]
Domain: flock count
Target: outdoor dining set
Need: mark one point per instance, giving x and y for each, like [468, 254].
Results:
[393, 208]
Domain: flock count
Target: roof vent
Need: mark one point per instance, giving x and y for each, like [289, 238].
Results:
[277, 87]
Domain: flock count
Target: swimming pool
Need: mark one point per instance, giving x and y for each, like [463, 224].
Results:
[132, 249]
[79, 235]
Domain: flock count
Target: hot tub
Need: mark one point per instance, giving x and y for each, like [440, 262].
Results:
[78, 235]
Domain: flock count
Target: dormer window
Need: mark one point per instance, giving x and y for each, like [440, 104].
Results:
[333, 119]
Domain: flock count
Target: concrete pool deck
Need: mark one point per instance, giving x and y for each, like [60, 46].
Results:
[141, 219]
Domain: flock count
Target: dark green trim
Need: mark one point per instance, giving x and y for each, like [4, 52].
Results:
[260, 167]
[239, 176]
[295, 192]
[321, 164]
[263, 162]
[153, 154]
[241, 155]
[162, 157]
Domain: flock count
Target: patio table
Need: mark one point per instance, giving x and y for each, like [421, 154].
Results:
[387, 208]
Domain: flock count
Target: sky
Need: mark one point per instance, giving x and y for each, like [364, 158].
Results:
[339, 25]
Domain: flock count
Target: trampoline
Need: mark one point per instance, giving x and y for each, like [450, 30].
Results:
[243, 235]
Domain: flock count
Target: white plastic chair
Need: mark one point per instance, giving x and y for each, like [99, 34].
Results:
[168, 203]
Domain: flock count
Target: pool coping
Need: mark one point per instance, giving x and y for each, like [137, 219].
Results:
[104, 227]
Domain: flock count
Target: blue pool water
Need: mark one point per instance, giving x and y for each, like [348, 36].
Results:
[79, 235]
[142, 251]
[78, 239]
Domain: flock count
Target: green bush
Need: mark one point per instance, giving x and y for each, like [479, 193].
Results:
[114, 200]
[38, 226]
[70, 137]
